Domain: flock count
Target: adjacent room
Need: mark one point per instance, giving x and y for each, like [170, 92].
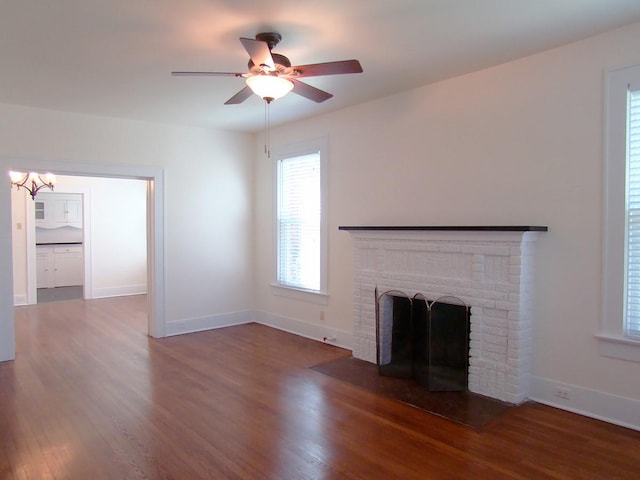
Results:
[254, 205]
[85, 242]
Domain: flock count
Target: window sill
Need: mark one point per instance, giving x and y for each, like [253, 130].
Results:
[619, 347]
[319, 298]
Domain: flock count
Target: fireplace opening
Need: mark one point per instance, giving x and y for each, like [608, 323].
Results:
[427, 340]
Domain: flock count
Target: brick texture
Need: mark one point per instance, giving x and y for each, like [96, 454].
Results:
[490, 271]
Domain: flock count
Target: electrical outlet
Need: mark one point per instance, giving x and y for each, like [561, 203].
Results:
[563, 392]
[322, 315]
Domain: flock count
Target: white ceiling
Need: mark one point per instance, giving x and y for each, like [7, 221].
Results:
[114, 57]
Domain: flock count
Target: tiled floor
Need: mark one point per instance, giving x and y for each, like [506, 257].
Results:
[59, 293]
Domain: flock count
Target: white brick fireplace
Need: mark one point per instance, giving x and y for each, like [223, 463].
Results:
[489, 268]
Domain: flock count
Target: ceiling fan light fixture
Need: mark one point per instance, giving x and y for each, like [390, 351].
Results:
[269, 87]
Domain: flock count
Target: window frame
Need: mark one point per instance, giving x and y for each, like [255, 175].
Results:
[612, 339]
[318, 145]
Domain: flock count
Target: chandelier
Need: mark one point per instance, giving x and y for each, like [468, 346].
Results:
[32, 182]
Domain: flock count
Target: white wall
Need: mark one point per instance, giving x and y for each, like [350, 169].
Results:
[207, 204]
[118, 236]
[520, 144]
[19, 240]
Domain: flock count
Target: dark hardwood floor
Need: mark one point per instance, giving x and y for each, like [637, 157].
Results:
[91, 397]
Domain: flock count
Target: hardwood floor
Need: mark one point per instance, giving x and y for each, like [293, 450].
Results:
[90, 396]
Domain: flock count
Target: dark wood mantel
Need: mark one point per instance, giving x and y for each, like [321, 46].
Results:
[451, 228]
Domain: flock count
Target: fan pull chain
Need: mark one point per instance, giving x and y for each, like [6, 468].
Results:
[266, 123]
[267, 129]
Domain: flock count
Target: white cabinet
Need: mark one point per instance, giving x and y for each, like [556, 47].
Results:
[67, 211]
[59, 266]
[67, 264]
[44, 268]
[55, 210]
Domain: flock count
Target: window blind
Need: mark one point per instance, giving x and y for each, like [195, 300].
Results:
[632, 310]
[299, 216]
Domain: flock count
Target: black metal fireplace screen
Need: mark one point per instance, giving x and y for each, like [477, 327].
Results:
[427, 340]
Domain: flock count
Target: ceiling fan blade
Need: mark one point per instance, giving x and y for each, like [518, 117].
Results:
[259, 52]
[239, 97]
[312, 93]
[206, 74]
[329, 68]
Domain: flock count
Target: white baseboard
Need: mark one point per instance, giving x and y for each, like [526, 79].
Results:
[121, 291]
[321, 333]
[191, 325]
[19, 300]
[591, 403]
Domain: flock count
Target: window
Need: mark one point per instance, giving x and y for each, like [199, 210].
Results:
[620, 328]
[300, 222]
[632, 208]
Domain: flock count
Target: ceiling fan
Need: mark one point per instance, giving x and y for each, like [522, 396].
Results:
[271, 75]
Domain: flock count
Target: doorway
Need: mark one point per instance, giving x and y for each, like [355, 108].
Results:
[59, 240]
[154, 178]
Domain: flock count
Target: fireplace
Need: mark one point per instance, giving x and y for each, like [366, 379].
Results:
[488, 268]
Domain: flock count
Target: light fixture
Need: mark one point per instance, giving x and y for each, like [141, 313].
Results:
[32, 182]
[269, 87]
